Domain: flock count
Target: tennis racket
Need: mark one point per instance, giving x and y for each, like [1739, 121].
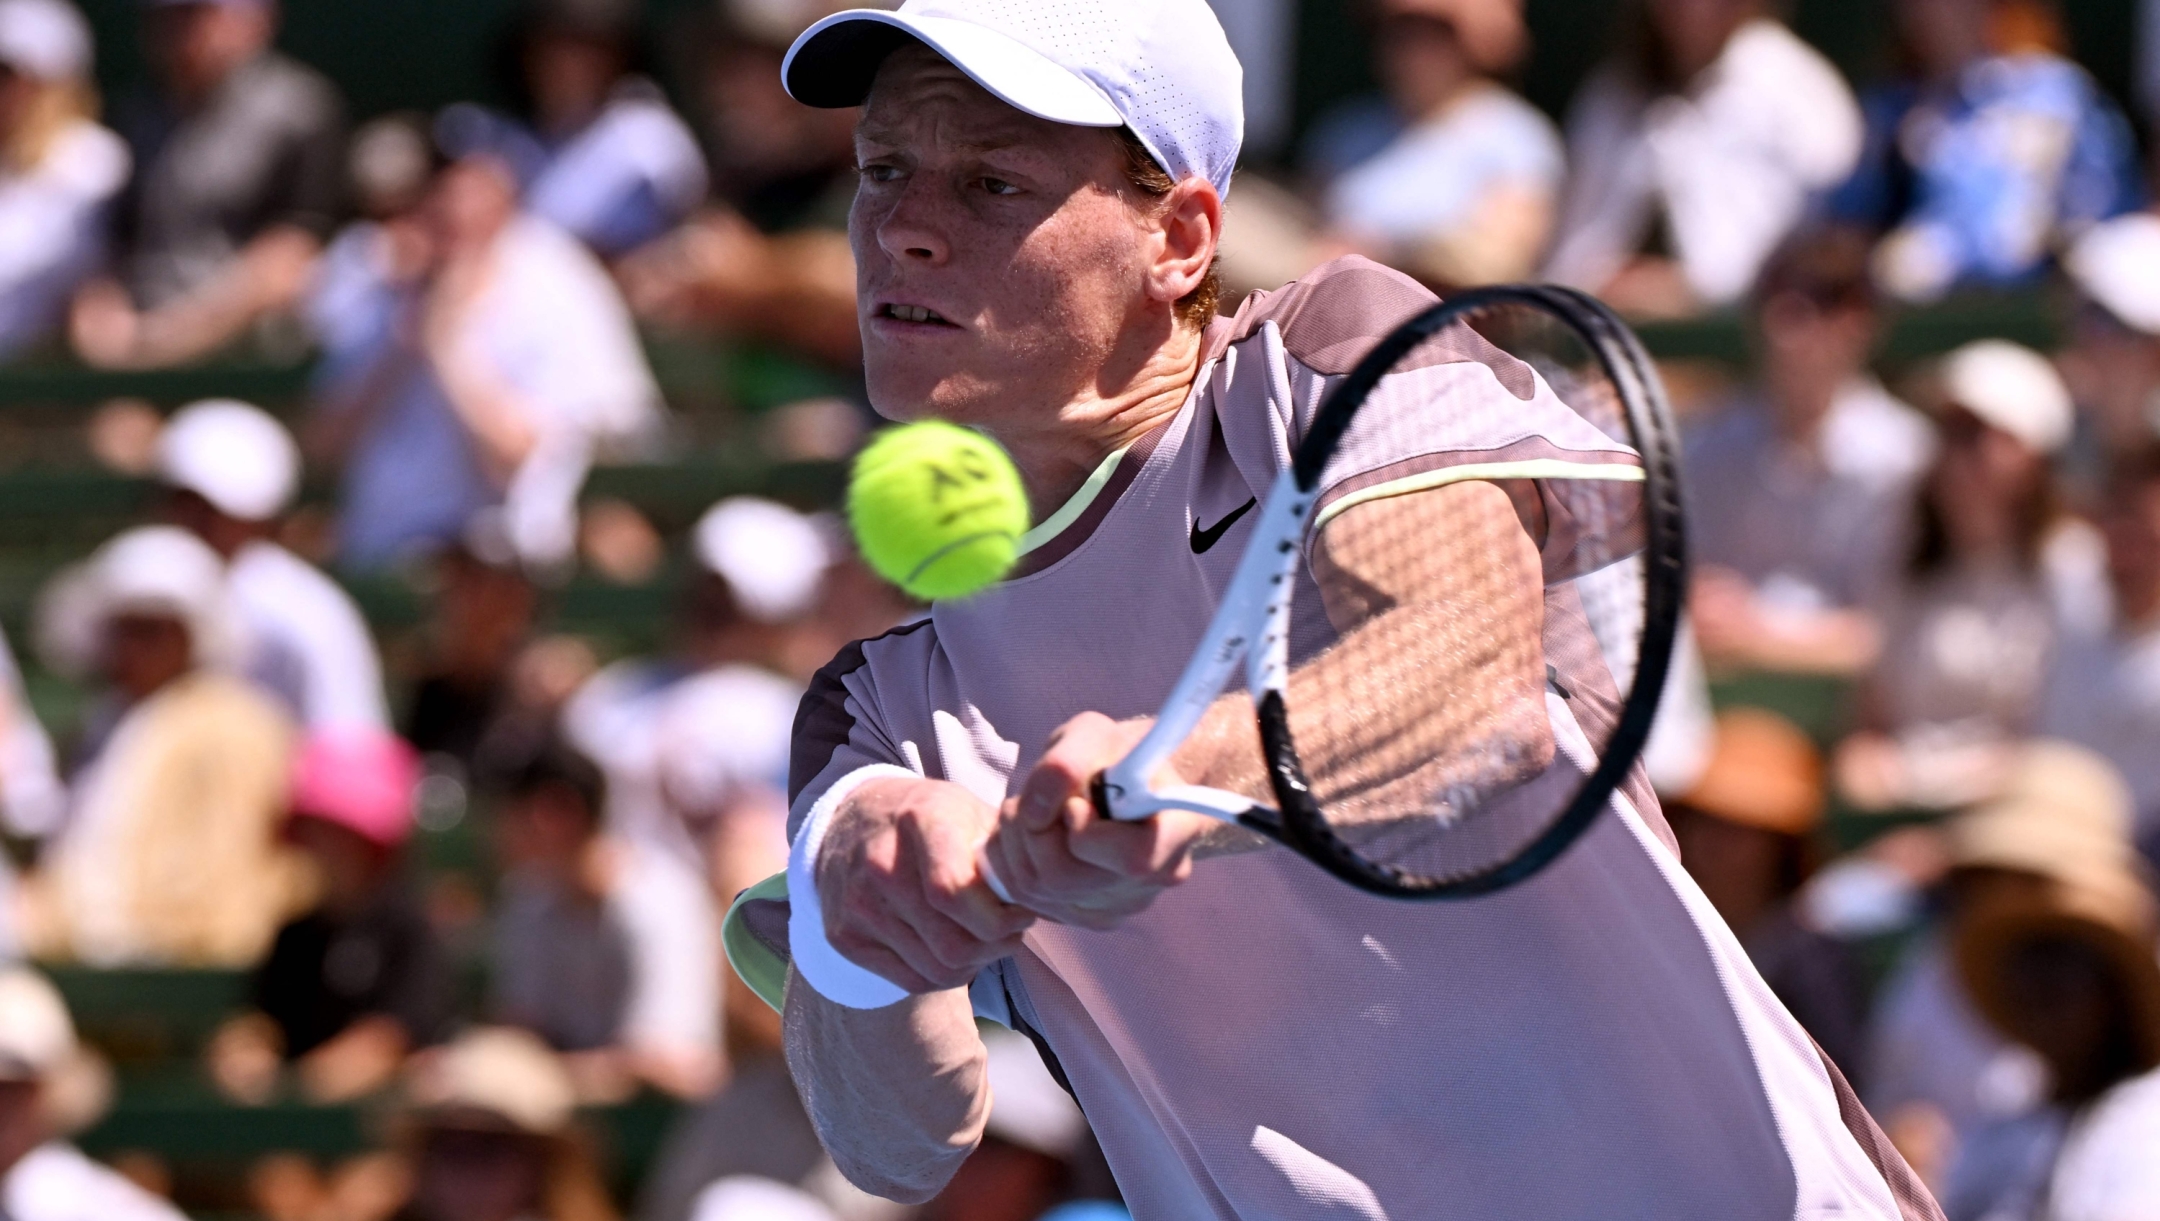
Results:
[1383, 767]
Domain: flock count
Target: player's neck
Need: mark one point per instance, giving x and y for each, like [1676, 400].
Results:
[1123, 405]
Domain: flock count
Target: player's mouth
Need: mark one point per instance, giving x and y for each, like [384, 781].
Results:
[914, 315]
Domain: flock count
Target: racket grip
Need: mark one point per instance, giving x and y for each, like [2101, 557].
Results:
[1099, 795]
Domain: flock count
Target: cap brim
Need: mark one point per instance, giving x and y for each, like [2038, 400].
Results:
[834, 62]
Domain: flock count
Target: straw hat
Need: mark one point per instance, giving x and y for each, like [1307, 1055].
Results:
[1491, 31]
[493, 1079]
[1763, 773]
[2063, 813]
[2117, 921]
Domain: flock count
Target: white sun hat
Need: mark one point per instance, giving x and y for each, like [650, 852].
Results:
[231, 454]
[772, 558]
[748, 1197]
[2013, 388]
[2117, 265]
[38, 1043]
[47, 39]
[1163, 68]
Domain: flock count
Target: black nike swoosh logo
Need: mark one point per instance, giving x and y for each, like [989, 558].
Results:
[1204, 539]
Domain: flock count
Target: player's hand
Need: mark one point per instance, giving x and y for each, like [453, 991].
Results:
[901, 893]
[1062, 860]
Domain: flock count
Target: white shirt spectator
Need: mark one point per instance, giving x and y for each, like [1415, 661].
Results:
[2109, 1168]
[1811, 527]
[55, 1182]
[625, 178]
[614, 720]
[1732, 163]
[643, 973]
[306, 641]
[1433, 176]
[665, 737]
[52, 228]
[553, 327]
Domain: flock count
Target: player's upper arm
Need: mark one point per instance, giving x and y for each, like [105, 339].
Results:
[1462, 544]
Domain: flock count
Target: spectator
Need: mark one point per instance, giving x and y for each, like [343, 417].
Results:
[2059, 822]
[1746, 833]
[619, 167]
[2113, 361]
[353, 298]
[1694, 153]
[501, 374]
[233, 471]
[769, 259]
[1799, 490]
[355, 983]
[746, 1197]
[1996, 574]
[32, 800]
[2072, 973]
[465, 705]
[600, 947]
[49, 1086]
[490, 1134]
[1995, 153]
[189, 765]
[1451, 177]
[759, 566]
[2105, 690]
[239, 164]
[59, 170]
[1024, 1166]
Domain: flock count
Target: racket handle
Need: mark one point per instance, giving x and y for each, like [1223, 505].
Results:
[1099, 794]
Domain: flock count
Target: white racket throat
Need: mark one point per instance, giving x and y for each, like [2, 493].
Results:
[1252, 624]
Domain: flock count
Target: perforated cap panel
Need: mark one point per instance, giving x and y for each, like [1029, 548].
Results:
[1163, 66]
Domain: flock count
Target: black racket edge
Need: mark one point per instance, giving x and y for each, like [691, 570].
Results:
[1302, 827]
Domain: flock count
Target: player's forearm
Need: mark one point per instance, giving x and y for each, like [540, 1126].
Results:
[1462, 617]
[898, 1095]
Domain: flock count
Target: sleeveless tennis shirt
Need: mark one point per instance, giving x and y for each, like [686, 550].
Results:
[1266, 1043]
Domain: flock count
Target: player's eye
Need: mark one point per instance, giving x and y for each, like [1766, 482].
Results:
[998, 186]
[878, 171]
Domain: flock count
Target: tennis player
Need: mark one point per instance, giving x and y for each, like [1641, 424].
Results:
[1041, 197]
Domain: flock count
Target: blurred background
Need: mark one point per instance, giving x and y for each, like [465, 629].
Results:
[420, 425]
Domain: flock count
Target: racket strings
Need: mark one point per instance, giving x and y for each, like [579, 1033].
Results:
[1425, 731]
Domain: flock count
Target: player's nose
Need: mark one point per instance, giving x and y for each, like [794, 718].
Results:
[913, 229]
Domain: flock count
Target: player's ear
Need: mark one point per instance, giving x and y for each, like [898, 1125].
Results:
[1191, 220]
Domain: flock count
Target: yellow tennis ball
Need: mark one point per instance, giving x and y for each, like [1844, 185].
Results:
[937, 509]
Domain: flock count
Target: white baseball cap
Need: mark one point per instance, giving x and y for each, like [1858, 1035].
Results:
[772, 558]
[47, 39]
[2013, 388]
[1162, 68]
[2117, 264]
[231, 454]
[748, 1197]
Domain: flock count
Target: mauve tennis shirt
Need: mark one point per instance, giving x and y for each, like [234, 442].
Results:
[1266, 1043]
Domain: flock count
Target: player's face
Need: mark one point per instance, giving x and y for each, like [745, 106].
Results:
[999, 257]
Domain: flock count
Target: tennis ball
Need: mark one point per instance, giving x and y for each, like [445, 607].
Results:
[937, 509]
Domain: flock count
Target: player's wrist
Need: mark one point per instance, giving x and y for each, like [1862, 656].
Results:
[830, 973]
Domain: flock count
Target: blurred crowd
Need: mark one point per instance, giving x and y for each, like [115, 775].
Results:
[1949, 880]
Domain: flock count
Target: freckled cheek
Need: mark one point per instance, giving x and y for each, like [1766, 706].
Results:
[1085, 276]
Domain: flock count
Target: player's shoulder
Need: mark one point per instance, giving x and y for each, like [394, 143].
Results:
[1329, 317]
